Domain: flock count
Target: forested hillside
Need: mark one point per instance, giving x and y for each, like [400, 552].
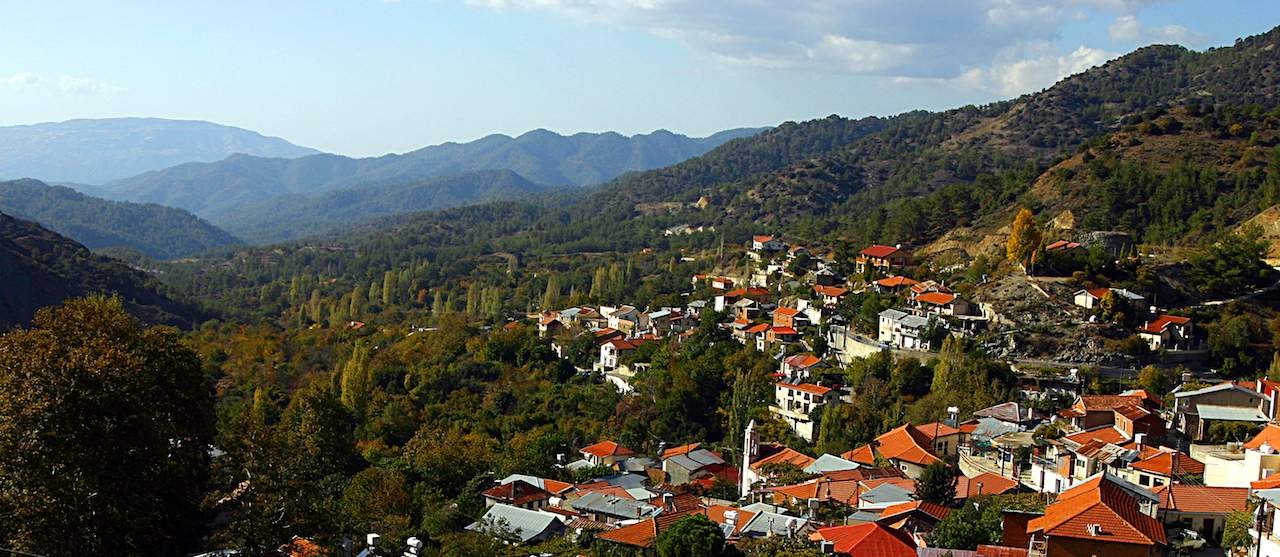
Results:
[156, 231]
[95, 151]
[39, 268]
[219, 190]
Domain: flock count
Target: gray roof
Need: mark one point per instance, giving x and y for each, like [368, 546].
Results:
[695, 460]
[767, 524]
[625, 480]
[990, 428]
[615, 506]
[531, 480]
[639, 463]
[515, 521]
[914, 321]
[1218, 388]
[886, 493]
[893, 314]
[1230, 413]
[765, 507]
[863, 516]
[1271, 496]
[829, 463]
[1011, 412]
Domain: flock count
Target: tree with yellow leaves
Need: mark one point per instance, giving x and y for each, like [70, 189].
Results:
[1024, 239]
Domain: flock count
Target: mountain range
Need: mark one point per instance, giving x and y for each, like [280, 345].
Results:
[96, 151]
[218, 190]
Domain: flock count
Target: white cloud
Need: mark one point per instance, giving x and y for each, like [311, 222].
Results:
[878, 37]
[1013, 75]
[1128, 29]
[65, 84]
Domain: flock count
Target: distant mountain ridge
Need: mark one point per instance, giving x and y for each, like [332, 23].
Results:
[96, 151]
[292, 217]
[160, 232]
[217, 190]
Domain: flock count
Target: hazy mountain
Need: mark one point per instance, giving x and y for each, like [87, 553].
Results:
[219, 189]
[95, 151]
[295, 216]
[40, 268]
[162, 232]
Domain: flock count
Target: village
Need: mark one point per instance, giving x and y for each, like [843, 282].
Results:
[1132, 472]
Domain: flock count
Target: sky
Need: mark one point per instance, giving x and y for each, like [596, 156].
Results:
[368, 77]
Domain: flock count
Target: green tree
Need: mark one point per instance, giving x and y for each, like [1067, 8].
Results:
[390, 294]
[1235, 533]
[1154, 380]
[937, 484]
[104, 428]
[693, 536]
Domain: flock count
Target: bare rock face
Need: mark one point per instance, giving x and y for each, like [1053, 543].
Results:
[1268, 221]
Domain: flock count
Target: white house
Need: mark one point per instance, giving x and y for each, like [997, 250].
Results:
[903, 330]
[793, 402]
[1088, 298]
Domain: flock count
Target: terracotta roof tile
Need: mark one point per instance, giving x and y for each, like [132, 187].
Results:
[1269, 435]
[1103, 502]
[1161, 322]
[806, 388]
[936, 298]
[879, 251]
[607, 448]
[985, 483]
[784, 455]
[868, 539]
[1163, 463]
[1202, 499]
[932, 509]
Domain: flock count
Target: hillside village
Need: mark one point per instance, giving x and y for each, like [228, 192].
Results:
[1055, 470]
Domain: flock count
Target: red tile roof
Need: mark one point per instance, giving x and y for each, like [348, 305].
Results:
[879, 251]
[784, 455]
[896, 281]
[1269, 435]
[806, 388]
[832, 291]
[1102, 403]
[789, 312]
[905, 443]
[869, 539]
[518, 493]
[1161, 322]
[802, 360]
[1202, 499]
[1103, 502]
[1162, 463]
[985, 483]
[932, 509]
[762, 238]
[785, 331]
[757, 328]
[936, 298]
[1000, 551]
[645, 532]
[934, 430]
[826, 488]
[683, 449]
[1104, 434]
[607, 448]
[1269, 482]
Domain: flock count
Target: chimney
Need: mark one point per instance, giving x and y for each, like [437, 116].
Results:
[413, 546]
[668, 499]
[1140, 439]
[371, 540]
[731, 518]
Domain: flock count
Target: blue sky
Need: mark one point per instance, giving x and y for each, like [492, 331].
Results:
[370, 77]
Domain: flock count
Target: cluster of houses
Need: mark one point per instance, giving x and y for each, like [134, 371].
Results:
[1114, 467]
[1113, 485]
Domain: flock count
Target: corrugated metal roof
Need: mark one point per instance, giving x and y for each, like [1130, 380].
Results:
[1231, 413]
[515, 521]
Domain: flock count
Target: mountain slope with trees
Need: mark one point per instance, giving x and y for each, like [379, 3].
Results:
[216, 190]
[40, 268]
[156, 231]
[96, 151]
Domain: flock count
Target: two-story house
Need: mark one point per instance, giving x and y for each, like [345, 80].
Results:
[881, 259]
[794, 402]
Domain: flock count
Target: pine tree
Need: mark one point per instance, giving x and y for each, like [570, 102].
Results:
[313, 307]
[437, 305]
[375, 292]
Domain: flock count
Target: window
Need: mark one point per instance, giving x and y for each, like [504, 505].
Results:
[1144, 480]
